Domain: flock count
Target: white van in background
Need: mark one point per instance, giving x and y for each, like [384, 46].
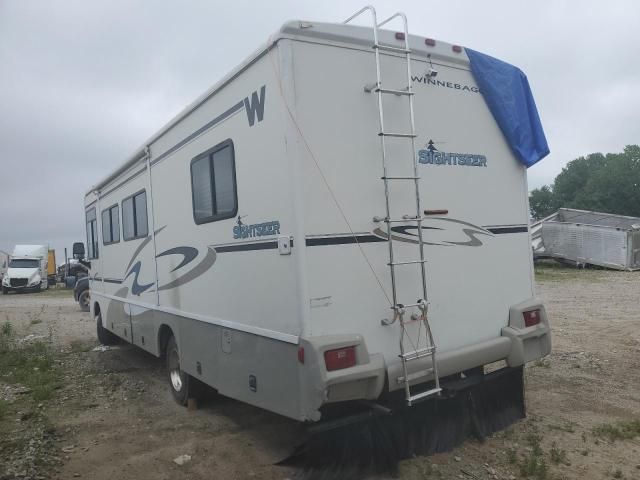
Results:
[27, 269]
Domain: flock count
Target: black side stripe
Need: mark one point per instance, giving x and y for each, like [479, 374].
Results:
[314, 242]
[503, 230]
[245, 247]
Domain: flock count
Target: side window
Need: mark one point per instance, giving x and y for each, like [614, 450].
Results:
[134, 216]
[110, 225]
[213, 184]
[92, 234]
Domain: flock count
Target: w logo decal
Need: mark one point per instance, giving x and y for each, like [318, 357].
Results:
[255, 106]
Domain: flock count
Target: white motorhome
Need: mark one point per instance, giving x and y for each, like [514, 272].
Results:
[27, 269]
[304, 234]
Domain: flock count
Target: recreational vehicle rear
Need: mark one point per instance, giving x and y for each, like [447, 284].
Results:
[343, 217]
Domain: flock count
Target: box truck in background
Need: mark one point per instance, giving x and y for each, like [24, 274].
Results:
[27, 269]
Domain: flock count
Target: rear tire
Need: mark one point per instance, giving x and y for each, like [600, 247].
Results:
[84, 299]
[181, 383]
[105, 337]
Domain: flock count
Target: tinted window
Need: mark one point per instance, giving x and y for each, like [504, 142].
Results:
[110, 225]
[92, 234]
[134, 216]
[128, 224]
[213, 184]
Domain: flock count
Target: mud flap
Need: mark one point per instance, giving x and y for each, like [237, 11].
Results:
[374, 442]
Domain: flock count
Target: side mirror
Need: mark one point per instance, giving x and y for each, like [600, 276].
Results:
[78, 250]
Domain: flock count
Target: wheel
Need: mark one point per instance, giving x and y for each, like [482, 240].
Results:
[105, 337]
[181, 383]
[83, 300]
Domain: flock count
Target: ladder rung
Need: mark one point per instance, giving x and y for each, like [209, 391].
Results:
[389, 48]
[422, 395]
[399, 135]
[409, 262]
[408, 305]
[415, 375]
[393, 91]
[423, 352]
[400, 178]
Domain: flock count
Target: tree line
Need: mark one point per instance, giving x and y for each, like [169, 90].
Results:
[604, 183]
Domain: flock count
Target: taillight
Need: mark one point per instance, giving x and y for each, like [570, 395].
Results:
[301, 354]
[531, 318]
[340, 358]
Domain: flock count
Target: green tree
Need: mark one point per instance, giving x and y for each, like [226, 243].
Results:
[604, 183]
[542, 202]
[573, 178]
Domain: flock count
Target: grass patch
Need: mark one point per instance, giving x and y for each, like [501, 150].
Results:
[31, 365]
[4, 408]
[79, 346]
[551, 271]
[57, 292]
[558, 455]
[567, 427]
[620, 431]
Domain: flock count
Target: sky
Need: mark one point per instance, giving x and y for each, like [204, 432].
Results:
[84, 83]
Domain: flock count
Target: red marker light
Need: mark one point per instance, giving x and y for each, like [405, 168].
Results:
[531, 318]
[340, 358]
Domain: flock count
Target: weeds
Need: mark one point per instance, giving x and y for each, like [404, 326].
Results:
[31, 365]
[618, 474]
[567, 427]
[621, 431]
[4, 408]
[533, 465]
[512, 456]
[6, 330]
[79, 346]
[558, 455]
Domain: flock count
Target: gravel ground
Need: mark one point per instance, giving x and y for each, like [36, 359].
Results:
[114, 417]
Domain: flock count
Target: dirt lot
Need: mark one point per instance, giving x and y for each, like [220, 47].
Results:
[81, 413]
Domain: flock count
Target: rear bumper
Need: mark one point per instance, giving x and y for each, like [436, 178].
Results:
[516, 345]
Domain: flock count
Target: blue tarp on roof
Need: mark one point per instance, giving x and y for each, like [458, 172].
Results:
[506, 90]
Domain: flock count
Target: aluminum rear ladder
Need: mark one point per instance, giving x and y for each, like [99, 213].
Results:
[423, 345]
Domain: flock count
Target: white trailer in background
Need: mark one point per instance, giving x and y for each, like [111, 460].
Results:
[27, 269]
[249, 240]
[589, 238]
